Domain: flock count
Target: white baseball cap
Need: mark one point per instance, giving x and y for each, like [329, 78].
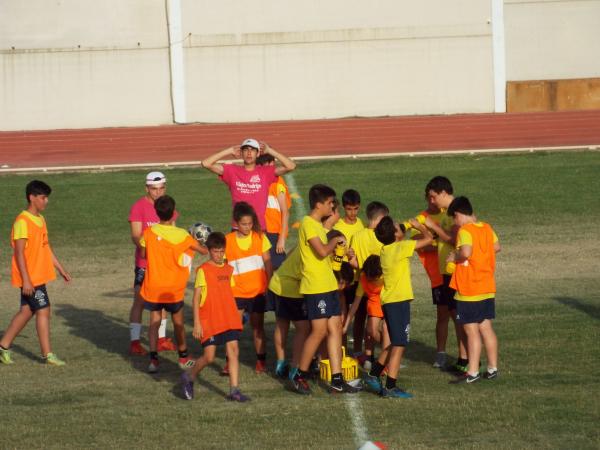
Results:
[155, 178]
[251, 143]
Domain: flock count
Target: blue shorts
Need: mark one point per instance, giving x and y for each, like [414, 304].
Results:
[139, 274]
[447, 297]
[252, 305]
[276, 258]
[397, 319]
[223, 338]
[323, 306]
[168, 307]
[287, 308]
[475, 312]
[38, 300]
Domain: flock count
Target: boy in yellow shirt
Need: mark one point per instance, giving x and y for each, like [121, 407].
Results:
[319, 287]
[396, 296]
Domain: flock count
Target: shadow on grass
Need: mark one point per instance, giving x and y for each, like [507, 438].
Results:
[121, 293]
[418, 351]
[585, 307]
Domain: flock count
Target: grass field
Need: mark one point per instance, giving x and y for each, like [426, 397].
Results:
[545, 208]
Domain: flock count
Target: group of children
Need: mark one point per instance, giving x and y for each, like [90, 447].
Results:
[340, 273]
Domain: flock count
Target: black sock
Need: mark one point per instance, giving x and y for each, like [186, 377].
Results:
[301, 374]
[261, 356]
[390, 383]
[372, 358]
[153, 355]
[183, 353]
[462, 362]
[376, 369]
[336, 379]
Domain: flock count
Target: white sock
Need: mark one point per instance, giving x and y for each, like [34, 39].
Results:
[162, 330]
[492, 369]
[135, 329]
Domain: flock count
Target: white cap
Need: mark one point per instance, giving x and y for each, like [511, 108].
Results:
[155, 178]
[251, 143]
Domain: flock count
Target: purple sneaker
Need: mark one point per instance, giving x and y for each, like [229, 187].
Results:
[237, 396]
[187, 386]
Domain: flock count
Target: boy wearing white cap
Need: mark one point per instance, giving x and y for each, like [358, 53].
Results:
[141, 216]
[249, 183]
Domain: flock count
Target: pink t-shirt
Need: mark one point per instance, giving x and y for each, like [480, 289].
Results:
[251, 186]
[143, 211]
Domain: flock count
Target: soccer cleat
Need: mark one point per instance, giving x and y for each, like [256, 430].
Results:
[373, 383]
[440, 360]
[292, 373]
[466, 379]
[187, 386]
[490, 375]
[165, 344]
[53, 360]
[6, 356]
[395, 392]
[237, 396]
[282, 369]
[186, 363]
[225, 370]
[342, 388]
[135, 348]
[300, 385]
[153, 366]
[260, 367]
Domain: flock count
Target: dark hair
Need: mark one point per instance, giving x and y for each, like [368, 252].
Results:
[37, 187]
[385, 231]
[164, 207]
[243, 209]
[216, 239]
[263, 159]
[318, 194]
[350, 197]
[346, 273]
[332, 234]
[439, 184]
[461, 205]
[372, 267]
[375, 209]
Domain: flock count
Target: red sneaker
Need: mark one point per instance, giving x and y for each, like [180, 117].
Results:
[135, 348]
[261, 366]
[186, 363]
[225, 370]
[165, 344]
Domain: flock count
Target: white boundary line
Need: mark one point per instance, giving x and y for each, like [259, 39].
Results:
[92, 167]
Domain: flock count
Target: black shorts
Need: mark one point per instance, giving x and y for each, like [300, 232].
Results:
[447, 297]
[223, 338]
[276, 258]
[138, 278]
[436, 294]
[397, 319]
[38, 300]
[323, 306]
[168, 307]
[252, 305]
[287, 308]
[475, 312]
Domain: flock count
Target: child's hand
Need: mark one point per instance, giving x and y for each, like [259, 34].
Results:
[345, 327]
[451, 257]
[415, 223]
[197, 333]
[280, 248]
[264, 148]
[28, 288]
[236, 151]
[350, 253]
[66, 276]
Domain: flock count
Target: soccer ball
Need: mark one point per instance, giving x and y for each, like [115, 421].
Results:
[200, 231]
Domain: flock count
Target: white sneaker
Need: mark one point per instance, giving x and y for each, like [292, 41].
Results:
[440, 360]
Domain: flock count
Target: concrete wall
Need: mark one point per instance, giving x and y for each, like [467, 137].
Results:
[99, 63]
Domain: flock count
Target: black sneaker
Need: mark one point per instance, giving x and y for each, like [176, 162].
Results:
[466, 379]
[300, 385]
[490, 375]
[342, 388]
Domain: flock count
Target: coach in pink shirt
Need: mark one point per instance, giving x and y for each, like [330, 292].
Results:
[249, 183]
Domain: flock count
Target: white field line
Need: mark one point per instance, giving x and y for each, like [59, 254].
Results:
[352, 401]
[4, 168]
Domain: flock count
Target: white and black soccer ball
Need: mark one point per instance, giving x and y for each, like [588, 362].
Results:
[200, 231]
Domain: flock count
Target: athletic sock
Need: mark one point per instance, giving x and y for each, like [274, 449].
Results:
[261, 356]
[390, 383]
[336, 379]
[183, 353]
[376, 370]
[492, 369]
[162, 329]
[301, 374]
[153, 355]
[462, 362]
[135, 329]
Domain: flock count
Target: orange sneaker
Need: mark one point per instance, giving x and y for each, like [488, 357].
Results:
[261, 366]
[135, 348]
[165, 344]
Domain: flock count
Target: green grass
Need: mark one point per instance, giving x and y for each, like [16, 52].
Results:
[545, 208]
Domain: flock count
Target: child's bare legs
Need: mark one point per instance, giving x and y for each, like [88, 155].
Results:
[334, 343]
[373, 334]
[490, 341]
[178, 325]
[441, 327]
[257, 320]
[385, 336]
[17, 324]
[282, 327]
[233, 355]
[155, 318]
[394, 360]
[135, 315]
[317, 334]
[42, 326]
[208, 356]
[461, 336]
[358, 327]
[474, 346]
[302, 332]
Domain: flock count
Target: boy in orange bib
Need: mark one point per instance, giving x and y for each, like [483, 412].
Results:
[33, 265]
